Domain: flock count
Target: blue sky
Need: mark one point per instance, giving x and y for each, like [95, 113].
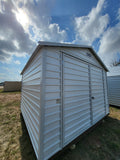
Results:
[89, 22]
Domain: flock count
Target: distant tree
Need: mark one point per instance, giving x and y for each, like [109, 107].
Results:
[116, 63]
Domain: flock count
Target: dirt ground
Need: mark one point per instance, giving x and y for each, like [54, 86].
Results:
[103, 143]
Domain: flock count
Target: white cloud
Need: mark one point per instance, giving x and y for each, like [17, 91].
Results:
[38, 17]
[92, 26]
[110, 44]
[13, 39]
[17, 62]
[110, 47]
[16, 19]
[10, 77]
[11, 74]
[113, 71]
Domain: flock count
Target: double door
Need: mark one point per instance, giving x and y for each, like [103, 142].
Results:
[83, 102]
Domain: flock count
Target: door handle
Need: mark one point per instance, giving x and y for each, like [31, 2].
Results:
[58, 101]
[93, 97]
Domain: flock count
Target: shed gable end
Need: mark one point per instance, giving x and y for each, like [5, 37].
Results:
[83, 54]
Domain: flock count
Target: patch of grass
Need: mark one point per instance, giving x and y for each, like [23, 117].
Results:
[15, 103]
[11, 92]
[103, 142]
[14, 140]
[10, 125]
[1, 90]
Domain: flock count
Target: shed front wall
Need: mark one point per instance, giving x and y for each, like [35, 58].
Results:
[114, 90]
[83, 54]
[52, 103]
[69, 85]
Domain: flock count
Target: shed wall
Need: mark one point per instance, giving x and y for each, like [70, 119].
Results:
[83, 54]
[114, 90]
[52, 105]
[97, 89]
[57, 87]
[30, 100]
[69, 110]
[106, 91]
[12, 86]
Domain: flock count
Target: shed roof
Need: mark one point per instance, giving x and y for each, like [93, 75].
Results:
[54, 44]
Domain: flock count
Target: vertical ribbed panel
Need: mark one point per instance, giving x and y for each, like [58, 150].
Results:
[52, 119]
[98, 103]
[30, 100]
[106, 92]
[76, 114]
[114, 90]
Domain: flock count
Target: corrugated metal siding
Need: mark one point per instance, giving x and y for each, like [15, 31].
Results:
[76, 118]
[83, 54]
[98, 103]
[30, 100]
[65, 106]
[114, 90]
[52, 125]
[106, 91]
[77, 109]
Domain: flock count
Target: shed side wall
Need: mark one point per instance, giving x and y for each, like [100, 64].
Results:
[30, 100]
[106, 91]
[114, 90]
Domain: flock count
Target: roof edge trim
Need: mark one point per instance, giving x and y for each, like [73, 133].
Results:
[54, 44]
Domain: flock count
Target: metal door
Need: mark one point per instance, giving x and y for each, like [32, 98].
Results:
[97, 93]
[76, 98]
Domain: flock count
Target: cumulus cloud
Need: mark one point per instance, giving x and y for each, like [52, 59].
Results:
[13, 39]
[13, 74]
[22, 24]
[17, 62]
[110, 46]
[113, 71]
[89, 28]
[37, 16]
[4, 57]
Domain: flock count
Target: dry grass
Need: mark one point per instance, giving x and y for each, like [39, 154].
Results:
[14, 140]
[10, 126]
[101, 143]
[1, 87]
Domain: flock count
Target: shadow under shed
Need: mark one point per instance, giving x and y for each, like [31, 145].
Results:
[103, 142]
[27, 151]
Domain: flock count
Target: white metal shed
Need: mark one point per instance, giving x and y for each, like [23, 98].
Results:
[114, 90]
[64, 93]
